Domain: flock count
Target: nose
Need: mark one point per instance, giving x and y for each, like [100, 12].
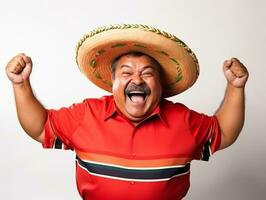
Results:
[137, 80]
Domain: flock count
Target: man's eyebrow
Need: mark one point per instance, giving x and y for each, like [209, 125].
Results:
[125, 66]
[144, 68]
[149, 66]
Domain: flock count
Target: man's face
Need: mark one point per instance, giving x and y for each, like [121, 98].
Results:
[136, 86]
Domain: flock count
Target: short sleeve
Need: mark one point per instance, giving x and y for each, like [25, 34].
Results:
[206, 132]
[61, 124]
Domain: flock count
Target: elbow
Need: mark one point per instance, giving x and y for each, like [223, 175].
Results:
[40, 138]
[227, 139]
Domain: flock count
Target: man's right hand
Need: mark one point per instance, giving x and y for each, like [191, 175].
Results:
[19, 68]
[31, 114]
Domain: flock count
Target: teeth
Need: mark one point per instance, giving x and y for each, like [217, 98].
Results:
[136, 92]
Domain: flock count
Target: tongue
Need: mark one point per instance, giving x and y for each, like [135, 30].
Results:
[137, 99]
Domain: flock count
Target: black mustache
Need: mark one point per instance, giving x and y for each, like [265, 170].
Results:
[141, 88]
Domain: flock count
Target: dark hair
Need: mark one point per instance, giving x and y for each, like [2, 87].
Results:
[133, 54]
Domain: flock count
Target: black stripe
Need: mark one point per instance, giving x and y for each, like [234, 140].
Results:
[206, 152]
[58, 144]
[133, 173]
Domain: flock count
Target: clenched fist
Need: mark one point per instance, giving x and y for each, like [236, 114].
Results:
[235, 72]
[19, 68]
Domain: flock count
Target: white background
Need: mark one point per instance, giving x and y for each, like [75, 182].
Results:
[48, 32]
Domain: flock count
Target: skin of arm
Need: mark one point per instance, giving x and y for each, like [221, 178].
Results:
[231, 114]
[31, 114]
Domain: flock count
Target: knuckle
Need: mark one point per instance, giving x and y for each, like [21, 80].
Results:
[15, 66]
[18, 58]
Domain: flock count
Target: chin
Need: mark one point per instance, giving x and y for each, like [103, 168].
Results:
[136, 116]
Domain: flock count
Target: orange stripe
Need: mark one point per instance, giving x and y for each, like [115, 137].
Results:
[131, 162]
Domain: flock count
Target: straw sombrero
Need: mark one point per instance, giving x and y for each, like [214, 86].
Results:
[96, 51]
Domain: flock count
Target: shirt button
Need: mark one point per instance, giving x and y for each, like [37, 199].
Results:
[132, 182]
[134, 154]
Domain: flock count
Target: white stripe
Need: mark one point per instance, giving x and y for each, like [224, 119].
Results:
[53, 146]
[210, 150]
[130, 179]
[209, 147]
[138, 168]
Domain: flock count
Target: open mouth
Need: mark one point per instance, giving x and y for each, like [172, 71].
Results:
[137, 96]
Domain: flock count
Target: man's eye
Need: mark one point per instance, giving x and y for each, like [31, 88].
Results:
[147, 74]
[126, 73]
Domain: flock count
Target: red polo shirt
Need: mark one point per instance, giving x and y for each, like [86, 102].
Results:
[117, 161]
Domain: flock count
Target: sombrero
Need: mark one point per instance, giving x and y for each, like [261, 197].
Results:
[96, 51]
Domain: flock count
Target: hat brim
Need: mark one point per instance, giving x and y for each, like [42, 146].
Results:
[97, 50]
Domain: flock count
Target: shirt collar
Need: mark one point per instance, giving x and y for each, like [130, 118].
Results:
[112, 110]
[159, 112]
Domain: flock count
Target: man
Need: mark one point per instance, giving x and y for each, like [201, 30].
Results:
[134, 144]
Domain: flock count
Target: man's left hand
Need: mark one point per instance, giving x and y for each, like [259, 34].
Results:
[235, 72]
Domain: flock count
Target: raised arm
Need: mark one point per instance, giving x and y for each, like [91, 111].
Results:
[31, 114]
[231, 113]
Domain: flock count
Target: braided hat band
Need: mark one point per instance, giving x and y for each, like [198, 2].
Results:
[96, 51]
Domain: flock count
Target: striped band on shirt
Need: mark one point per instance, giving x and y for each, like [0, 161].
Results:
[133, 170]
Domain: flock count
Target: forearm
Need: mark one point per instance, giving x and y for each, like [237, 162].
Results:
[31, 114]
[231, 115]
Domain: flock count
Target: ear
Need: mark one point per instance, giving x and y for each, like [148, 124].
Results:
[113, 76]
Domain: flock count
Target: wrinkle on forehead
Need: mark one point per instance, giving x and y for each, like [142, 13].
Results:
[155, 63]
[142, 68]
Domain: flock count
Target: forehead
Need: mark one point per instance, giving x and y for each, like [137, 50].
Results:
[142, 61]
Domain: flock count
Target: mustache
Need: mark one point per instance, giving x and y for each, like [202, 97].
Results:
[141, 88]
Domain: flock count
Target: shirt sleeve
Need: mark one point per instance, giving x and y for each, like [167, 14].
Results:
[61, 124]
[206, 132]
